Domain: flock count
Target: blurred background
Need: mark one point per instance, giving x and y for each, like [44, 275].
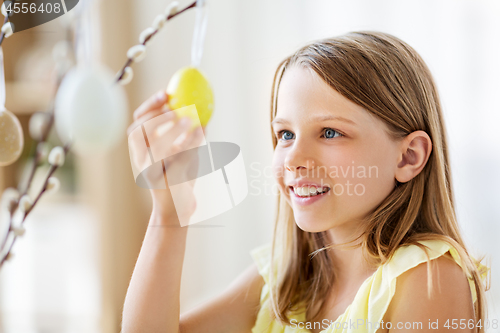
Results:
[71, 270]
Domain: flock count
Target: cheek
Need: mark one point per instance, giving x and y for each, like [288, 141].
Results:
[278, 168]
[339, 164]
[377, 171]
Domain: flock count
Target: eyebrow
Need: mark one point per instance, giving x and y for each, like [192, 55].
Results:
[316, 119]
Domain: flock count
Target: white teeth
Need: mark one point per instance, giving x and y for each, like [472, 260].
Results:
[306, 191]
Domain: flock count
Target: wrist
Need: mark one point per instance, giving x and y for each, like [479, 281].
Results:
[163, 217]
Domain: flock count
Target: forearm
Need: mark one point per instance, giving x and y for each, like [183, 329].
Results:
[152, 301]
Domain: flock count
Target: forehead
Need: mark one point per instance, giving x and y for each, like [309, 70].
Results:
[304, 96]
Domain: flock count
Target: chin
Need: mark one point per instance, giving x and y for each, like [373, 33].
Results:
[311, 225]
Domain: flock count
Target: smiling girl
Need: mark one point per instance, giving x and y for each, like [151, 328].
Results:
[373, 248]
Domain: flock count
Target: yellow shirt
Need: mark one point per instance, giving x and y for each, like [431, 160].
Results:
[365, 313]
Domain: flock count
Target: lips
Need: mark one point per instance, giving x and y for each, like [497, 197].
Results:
[305, 200]
[305, 182]
[303, 187]
[307, 191]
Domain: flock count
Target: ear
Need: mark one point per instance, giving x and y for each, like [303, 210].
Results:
[416, 148]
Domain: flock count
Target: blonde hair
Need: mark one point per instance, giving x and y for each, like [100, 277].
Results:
[389, 79]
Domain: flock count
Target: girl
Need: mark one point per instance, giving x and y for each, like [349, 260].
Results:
[361, 160]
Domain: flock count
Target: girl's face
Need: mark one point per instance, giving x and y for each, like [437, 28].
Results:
[325, 140]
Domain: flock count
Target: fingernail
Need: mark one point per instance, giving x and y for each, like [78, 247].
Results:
[185, 121]
[160, 96]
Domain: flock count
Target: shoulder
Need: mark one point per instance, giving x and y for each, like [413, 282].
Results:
[439, 291]
[246, 287]
[234, 310]
[262, 259]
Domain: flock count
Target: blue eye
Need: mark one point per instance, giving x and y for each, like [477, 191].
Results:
[331, 133]
[285, 135]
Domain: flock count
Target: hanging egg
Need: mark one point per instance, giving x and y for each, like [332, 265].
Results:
[11, 138]
[90, 110]
[189, 86]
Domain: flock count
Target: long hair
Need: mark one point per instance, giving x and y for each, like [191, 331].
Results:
[388, 78]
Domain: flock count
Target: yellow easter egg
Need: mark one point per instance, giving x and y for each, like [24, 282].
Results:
[11, 138]
[189, 86]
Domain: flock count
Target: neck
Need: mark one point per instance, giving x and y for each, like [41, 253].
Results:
[350, 264]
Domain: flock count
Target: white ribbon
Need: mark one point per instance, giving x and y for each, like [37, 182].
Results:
[200, 29]
[2, 82]
[87, 38]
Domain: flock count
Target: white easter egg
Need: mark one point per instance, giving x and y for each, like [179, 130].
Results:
[11, 138]
[90, 110]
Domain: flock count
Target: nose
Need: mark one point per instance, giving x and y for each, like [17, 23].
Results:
[299, 158]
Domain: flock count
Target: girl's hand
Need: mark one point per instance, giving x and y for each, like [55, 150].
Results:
[174, 136]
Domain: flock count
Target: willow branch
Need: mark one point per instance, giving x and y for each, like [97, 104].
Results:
[52, 169]
[36, 163]
[130, 61]
[6, 19]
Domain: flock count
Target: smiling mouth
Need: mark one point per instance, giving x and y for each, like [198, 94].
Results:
[309, 191]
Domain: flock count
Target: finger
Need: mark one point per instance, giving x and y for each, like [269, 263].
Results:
[186, 140]
[150, 115]
[190, 159]
[195, 138]
[138, 122]
[167, 116]
[154, 102]
[170, 136]
[198, 137]
[138, 156]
